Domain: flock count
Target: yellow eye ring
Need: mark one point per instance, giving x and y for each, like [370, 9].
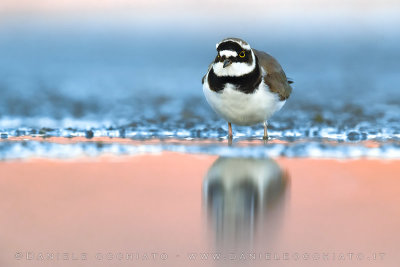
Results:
[242, 54]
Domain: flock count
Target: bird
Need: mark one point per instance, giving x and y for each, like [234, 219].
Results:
[245, 86]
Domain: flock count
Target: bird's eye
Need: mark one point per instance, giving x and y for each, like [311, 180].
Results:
[242, 54]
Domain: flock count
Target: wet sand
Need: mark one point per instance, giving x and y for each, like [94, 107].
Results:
[167, 209]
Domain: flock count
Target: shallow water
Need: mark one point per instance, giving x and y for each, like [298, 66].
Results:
[147, 176]
[197, 210]
[120, 82]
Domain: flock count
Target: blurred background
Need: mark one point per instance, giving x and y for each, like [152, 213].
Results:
[138, 64]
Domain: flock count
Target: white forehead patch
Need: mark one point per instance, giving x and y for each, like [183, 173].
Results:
[243, 45]
[228, 53]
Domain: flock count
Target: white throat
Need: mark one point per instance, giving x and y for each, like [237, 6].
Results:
[235, 69]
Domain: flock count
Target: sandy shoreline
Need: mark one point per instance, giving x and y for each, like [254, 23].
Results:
[155, 203]
[237, 141]
[31, 148]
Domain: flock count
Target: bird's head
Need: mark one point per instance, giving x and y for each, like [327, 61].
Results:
[234, 58]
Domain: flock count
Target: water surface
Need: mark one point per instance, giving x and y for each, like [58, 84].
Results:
[175, 209]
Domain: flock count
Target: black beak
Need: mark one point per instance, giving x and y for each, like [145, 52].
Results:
[227, 62]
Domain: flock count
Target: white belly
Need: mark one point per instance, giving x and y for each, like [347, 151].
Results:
[240, 108]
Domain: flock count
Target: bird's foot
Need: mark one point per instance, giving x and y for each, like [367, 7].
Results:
[230, 141]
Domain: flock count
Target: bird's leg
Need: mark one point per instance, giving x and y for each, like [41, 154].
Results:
[265, 131]
[230, 130]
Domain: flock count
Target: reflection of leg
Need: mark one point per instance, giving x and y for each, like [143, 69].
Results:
[230, 130]
[265, 131]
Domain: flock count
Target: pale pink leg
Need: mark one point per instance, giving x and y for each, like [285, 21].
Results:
[230, 130]
[265, 131]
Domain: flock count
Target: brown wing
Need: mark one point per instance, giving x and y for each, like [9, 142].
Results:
[276, 78]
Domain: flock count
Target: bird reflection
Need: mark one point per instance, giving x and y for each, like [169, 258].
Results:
[240, 195]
